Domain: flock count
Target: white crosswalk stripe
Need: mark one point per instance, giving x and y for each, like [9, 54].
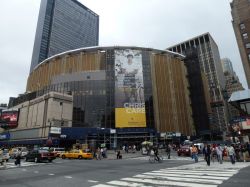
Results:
[192, 175]
[165, 158]
[23, 164]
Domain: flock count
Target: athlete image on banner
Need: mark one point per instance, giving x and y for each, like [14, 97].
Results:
[129, 93]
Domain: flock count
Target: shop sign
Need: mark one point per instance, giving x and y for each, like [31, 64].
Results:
[55, 130]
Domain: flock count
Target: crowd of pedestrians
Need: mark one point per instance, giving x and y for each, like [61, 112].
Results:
[219, 153]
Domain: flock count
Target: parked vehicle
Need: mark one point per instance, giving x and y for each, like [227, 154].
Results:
[40, 155]
[57, 151]
[77, 153]
[184, 150]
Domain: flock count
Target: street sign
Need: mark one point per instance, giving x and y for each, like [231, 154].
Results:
[63, 136]
[177, 134]
[112, 131]
[55, 130]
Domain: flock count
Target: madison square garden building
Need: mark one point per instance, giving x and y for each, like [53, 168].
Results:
[113, 95]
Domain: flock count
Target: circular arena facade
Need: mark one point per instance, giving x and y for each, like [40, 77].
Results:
[125, 93]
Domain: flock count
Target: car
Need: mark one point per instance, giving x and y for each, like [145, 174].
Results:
[184, 150]
[40, 155]
[57, 151]
[77, 153]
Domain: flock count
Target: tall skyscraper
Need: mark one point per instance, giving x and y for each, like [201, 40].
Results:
[198, 91]
[241, 24]
[227, 66]
[210, 65]
[63, 25]
[232, 85]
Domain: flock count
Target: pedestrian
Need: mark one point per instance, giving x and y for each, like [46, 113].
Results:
[207, 153]
[214, 153]
[248, 148]
[18, 158]
[118, 155]
[219, 153]
[244, 152]
[95, 154]
[156, 153]
[194, 152]
[168, 150]
[231, 153]
[99, 156]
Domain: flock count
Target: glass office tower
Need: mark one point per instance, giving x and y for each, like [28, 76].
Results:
[63, 25]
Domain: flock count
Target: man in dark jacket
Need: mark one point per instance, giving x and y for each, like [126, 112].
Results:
[207, 153]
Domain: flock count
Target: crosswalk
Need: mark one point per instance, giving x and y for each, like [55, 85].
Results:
[9, 165]
[165, 158]
[192, 175]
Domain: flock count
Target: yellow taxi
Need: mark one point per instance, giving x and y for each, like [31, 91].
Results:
[77, 153]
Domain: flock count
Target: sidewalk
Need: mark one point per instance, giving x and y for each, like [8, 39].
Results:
[111, 154]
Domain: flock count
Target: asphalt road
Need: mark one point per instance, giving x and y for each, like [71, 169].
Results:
[125, 172]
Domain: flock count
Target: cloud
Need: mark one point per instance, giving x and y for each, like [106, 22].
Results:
[149, 23]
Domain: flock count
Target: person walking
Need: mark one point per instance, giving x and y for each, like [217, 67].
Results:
[99, 154]
[118, 155]
[244, 152]
[231, 154]
[168, 150]
[207, 153]
[18, 158]
[219, 153]
[194, 152]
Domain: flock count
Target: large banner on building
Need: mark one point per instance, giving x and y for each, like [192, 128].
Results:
[129, 89]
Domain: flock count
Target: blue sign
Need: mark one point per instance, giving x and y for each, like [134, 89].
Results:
[5, 136]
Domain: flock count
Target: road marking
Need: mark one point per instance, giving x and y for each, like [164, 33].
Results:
[196, 173]
[68, 177]
[104, 185]
[92, 181]
[124, 183]
[51, 174]
[163, 182]
[192, 175]
[23, 164]
[186, 176]
[36, 171]
[24, 169]
[211, 181]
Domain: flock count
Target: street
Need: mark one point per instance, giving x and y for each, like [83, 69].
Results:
[134, 171]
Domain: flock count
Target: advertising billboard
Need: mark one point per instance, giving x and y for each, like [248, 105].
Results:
[9, 119]
[245, 125]
[129, 89]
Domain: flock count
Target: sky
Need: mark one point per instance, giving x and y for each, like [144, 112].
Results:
[147, 23]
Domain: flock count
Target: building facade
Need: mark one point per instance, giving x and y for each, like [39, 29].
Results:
[232, 85]
[120, 94]
[210, 65]
[199, 94]
[63, 25]
[241, 24]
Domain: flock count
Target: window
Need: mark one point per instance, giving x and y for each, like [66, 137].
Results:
[245, 36]
[242, 26]
[248, 45]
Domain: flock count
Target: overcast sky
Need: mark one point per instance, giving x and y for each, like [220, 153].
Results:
[147, 23]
